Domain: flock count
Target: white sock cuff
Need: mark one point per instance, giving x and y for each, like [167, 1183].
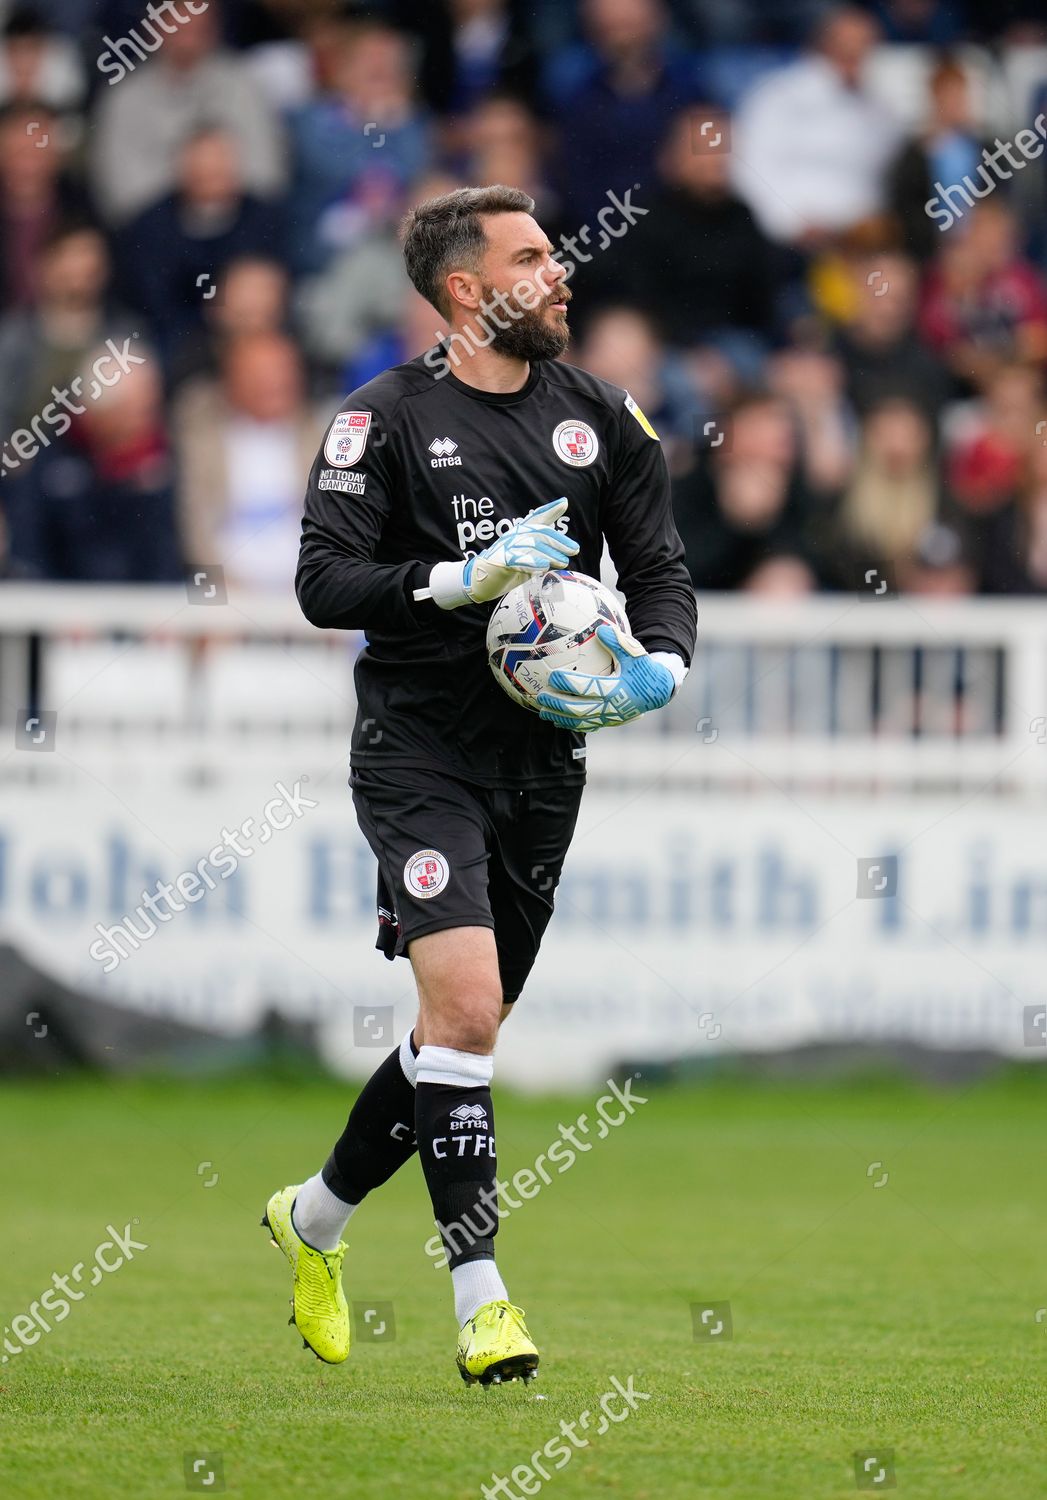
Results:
[408, 1060]
[319, 1215]
[476, 1282]
[466, 1070]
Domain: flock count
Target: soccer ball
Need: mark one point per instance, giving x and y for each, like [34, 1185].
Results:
[546, 624]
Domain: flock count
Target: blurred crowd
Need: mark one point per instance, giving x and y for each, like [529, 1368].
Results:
[829, 296]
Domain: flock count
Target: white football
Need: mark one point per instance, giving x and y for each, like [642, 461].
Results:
[546, 624]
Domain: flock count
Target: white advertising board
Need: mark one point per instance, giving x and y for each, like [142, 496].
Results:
[685, 923]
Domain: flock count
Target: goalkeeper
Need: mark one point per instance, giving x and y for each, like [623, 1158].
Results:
[442, 484]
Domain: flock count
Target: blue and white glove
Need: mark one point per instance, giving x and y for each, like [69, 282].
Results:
[642, 682]
[532, 546]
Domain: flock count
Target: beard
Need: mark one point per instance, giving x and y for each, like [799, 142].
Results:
[528, 336]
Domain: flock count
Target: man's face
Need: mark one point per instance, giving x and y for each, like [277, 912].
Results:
[75, 270]
[525, 287]
[209, 171]
[847, 40]
[192, 40]
[24, 160]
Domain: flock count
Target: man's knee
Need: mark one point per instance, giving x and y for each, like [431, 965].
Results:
[465, 1021]
[475, 1029]
[459, 989]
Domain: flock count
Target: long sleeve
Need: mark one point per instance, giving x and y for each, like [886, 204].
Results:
[638, 522]
[339, 584]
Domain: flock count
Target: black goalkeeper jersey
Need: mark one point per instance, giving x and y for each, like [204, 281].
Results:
[419, 468]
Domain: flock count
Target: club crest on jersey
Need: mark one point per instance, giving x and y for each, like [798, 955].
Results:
[426, 873]
[347, 438]
[576, 443]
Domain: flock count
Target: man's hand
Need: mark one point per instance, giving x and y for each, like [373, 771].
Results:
[532, 546]
[586, 703]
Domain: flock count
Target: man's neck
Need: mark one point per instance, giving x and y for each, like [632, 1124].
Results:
[487, 370]
[69, 324]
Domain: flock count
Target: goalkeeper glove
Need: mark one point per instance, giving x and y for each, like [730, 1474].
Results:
[640, 683]
[532, 546]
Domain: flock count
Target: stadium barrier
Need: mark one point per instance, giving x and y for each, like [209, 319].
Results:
[825, 838]
[835, 691]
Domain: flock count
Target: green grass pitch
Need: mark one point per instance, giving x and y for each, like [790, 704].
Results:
[865, 1318]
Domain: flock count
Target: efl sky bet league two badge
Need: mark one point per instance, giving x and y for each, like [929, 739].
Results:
[347, 438]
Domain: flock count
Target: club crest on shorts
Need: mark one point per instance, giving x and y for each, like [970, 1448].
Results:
[576, 443]
[426, 873]
[347, 438]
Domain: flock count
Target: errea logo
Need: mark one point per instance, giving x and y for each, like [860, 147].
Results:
[442, 449]
[469, 1117]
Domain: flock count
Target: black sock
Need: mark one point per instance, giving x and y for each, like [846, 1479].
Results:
[379, 1134]
[455, 1131]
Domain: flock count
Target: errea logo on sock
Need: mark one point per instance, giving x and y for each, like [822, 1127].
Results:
[469, 1116]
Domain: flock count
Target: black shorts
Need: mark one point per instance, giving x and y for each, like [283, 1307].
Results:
[451, 854]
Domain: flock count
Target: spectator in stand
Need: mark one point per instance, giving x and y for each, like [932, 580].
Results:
[357, 149]
[461, 51]
[615, 95]
[987, 459]
[895, 492]
[811, 145]
[479, 34]
[1012, 542]
[622, 346]
[160, 101]
[296, 66]
[252, 297]
[96, 505]
[878, 348]
[45, 345]
[696, 262]
[36, 195]
[350, 315]
[243, 447]
[984, 304]
[940, 566]
[782, 575]
[503, 144]
[38, 64]
[948, 150]
[812, 383]
[745, 504]
[210, 220]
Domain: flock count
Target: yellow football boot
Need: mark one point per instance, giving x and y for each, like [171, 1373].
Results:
[494, 1346]
[320, 1312]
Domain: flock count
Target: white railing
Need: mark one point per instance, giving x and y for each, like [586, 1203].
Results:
[832, 692]
[839, 692]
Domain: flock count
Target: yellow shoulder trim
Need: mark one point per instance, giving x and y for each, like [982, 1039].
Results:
[631, 405]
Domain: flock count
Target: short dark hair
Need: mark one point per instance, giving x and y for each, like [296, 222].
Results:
[17, 110]
[445, 234]
[23, 21]
[70, 228]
